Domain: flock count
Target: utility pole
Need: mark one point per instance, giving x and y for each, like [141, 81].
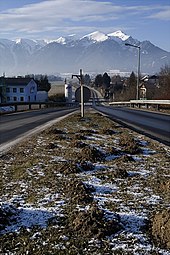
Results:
[80, 78]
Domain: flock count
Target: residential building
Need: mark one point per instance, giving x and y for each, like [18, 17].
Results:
[18, 90]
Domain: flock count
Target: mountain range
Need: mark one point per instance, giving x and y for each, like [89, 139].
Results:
[96, 52]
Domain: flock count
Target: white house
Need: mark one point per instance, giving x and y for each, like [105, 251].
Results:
[19, 90]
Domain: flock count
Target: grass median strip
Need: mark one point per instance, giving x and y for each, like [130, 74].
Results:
[85, 186]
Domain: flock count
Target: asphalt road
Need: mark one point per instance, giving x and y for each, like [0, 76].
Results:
[154, 125]
[16, 125]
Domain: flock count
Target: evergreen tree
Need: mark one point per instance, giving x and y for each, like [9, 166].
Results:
[43, 83]
[131, 89]
[98, 80]
[87, 79]
[106, 85]
[106, 80]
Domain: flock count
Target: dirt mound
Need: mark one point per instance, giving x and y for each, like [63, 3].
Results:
[51, 146]
[77, 191]
[161, 186]
[79, 137]
[54, 131]
[113, 151]
[114, 173]
[92, 223]
[86, 166]
[90, 153]
[124, 158]
[88, 132]
[69, 168]
[164, 186]
[106, 131]
[58, 134]
[77, 144]
[129, 144]
[120, 173]
[160, 228]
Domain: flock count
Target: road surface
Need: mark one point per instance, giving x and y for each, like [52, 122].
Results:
[155, 125]
[16, 125]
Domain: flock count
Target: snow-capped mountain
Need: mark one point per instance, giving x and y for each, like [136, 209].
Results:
[95, 52]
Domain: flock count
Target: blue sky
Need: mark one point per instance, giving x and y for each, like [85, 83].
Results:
[50, 19]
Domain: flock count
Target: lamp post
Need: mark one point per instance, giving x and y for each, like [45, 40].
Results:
[138, 69]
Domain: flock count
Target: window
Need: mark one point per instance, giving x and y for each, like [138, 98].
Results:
[7, 90]
[8, 98]
[15, 99]
[14, 90]
[21, 99]
[21, 90]
[32, 89]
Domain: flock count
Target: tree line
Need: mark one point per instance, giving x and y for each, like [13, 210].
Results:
[119, 88]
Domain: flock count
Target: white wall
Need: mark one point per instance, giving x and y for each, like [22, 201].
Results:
[42, 96]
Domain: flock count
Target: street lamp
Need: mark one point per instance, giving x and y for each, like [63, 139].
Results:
[137, 88]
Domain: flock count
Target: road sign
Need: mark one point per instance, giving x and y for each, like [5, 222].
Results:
[86, 94]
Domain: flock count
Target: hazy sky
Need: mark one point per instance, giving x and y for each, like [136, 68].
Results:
[50, 19]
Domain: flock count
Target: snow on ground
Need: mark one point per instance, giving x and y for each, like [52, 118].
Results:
[5, 109]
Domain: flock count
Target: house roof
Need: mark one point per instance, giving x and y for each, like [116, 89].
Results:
[14, 81]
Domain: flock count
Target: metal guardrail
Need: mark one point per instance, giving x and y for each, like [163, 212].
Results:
[120, 103]
[40, 104]
[139, 103]
[150, 101]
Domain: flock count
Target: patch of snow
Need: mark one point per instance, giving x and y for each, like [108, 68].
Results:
[153, 199]
[111, 157]
[135, 158]
[57, 158]
[18, 40]
[132, 222]
[28, 217]
[4, 109]
[142, 172]
[120, 35]
[147, 151]
[96, 36]
[104, 189]
[61, 40]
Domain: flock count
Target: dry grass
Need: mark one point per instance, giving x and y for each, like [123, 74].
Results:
[56, 89]
[94, 185]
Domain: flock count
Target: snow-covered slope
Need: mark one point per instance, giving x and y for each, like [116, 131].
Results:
[29, 45]
[96, 37]
[119, 34]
